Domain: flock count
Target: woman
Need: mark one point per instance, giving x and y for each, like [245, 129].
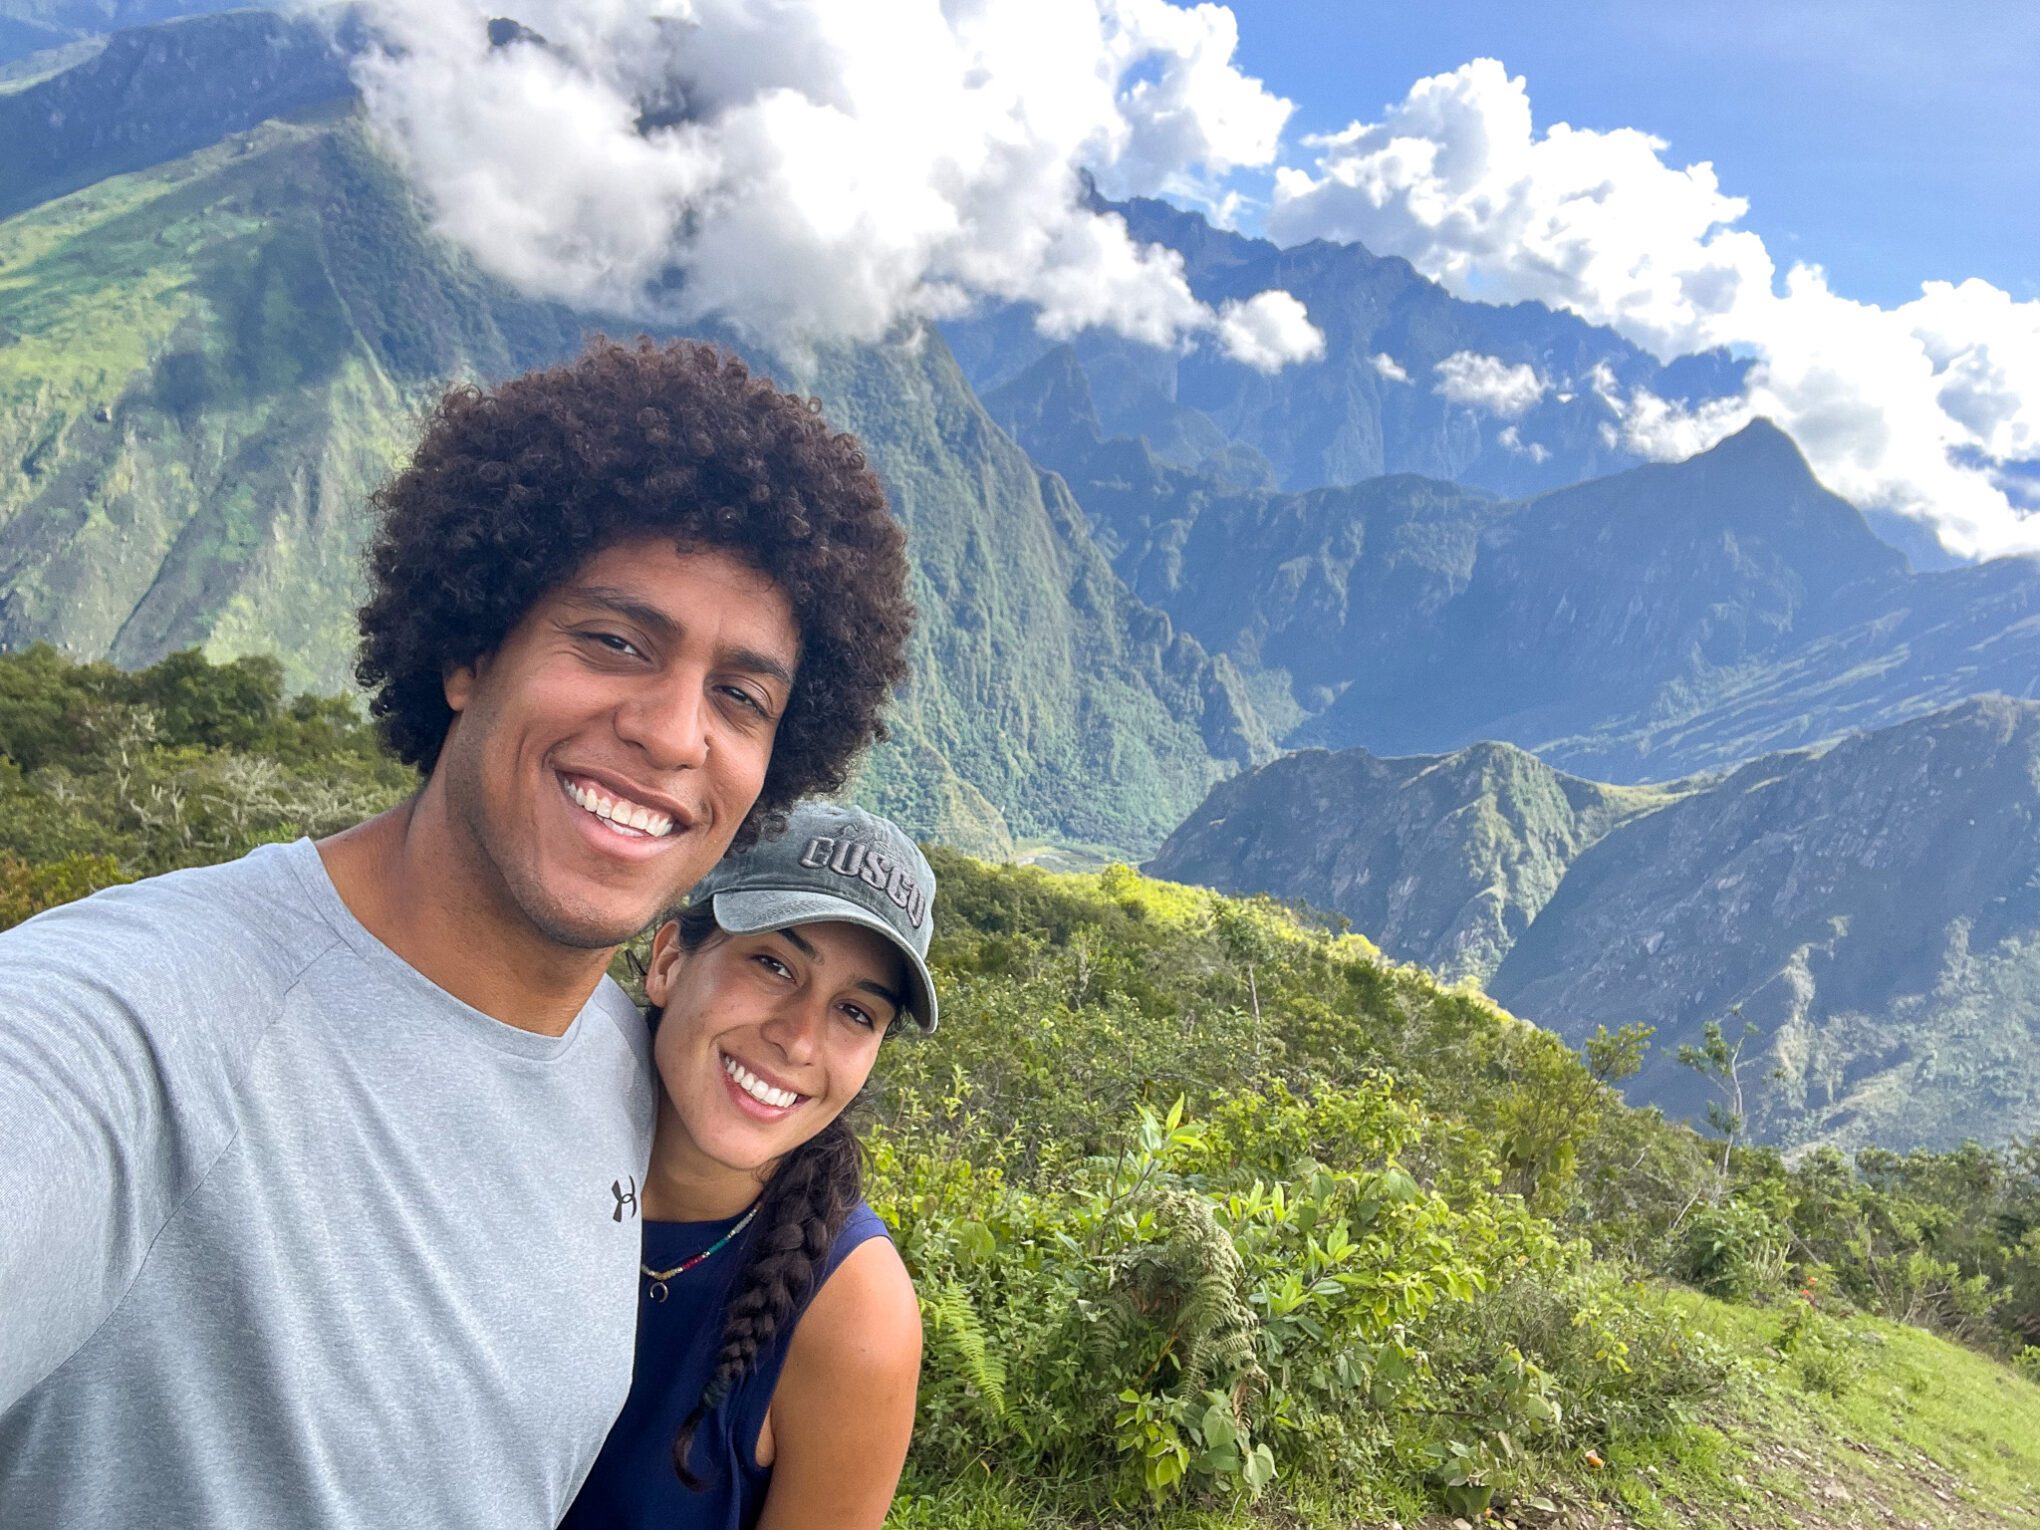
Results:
[779, 1340]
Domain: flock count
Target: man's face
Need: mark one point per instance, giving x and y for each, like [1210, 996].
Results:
[602, 758]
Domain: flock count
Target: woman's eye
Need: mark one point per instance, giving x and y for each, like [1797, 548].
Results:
[859, 1016]
[744, 698]
[773, 965]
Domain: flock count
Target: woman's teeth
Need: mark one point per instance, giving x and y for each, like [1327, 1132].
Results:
[630, 817]
[756, 1087]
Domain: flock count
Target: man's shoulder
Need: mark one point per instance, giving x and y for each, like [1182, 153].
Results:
[240, 930]
[620, 1018]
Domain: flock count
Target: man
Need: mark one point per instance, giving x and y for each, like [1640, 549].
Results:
[320, 1171]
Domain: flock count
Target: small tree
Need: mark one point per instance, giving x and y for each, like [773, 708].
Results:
[1612, 1058]
[1719, 1060]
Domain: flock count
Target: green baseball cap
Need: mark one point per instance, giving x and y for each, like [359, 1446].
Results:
[833, 862]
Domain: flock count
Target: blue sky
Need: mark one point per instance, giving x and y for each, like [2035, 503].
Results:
[1890, 143]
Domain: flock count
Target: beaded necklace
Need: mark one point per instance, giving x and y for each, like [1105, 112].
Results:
[657, 1290]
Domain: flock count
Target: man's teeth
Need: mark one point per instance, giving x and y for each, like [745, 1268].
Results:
[756, 1087]
[619, 813]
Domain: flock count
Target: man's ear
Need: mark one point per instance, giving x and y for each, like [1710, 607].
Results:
[665, 961]
[460, 681]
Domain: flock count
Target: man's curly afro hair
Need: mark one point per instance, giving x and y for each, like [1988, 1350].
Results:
[513, 488]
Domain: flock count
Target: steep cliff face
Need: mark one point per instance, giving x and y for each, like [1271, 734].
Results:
[1873, 910]
[1443, 860]
[1039, 681]
[154, 93]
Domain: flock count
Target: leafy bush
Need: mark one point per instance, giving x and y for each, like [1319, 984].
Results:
[27, 889]
[1735, 1251]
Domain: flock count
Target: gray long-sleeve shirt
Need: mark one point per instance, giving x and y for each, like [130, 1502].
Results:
[288, 1234]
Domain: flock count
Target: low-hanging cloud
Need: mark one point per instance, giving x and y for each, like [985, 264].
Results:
[1929, 408]
[1488, 382]
[810, 171]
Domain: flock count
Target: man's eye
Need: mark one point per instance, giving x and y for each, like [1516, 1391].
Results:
[615, 643]
[743, 697]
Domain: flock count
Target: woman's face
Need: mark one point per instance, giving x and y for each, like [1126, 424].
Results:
[764, 1039]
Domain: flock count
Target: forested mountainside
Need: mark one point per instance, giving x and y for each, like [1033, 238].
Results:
[1443, 860]
[210, 362]
[1872, 910]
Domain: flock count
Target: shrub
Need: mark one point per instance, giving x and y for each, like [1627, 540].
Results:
[1734, 1250]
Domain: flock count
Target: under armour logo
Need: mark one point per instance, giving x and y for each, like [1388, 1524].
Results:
[624, 1198]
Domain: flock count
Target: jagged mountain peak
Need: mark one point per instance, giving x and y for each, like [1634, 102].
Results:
[1048, 408]
[1761, 438]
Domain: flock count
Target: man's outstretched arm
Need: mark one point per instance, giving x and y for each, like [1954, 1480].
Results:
[92, 1160]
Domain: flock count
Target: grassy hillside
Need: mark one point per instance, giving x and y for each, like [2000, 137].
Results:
[1220, 1219]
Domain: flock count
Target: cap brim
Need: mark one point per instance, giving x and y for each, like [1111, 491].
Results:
[754, 911]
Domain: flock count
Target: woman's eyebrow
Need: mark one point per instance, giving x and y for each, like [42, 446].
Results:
[897, 1001]
[802, 944]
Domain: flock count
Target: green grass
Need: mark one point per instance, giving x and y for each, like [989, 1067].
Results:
[1928, 1433]
[1925, 1432]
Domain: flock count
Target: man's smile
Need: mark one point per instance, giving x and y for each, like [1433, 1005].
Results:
[629, 814]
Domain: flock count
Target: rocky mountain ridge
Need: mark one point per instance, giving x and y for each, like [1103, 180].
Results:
[1666, 619]
[1872, 909]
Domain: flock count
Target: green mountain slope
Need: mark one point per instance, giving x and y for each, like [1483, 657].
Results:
[1873, 909]
[1442, 860]
[207, 364]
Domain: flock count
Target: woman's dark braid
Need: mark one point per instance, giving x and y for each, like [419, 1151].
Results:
[803, 1208]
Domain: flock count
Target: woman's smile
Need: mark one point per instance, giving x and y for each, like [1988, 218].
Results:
[756, 1092]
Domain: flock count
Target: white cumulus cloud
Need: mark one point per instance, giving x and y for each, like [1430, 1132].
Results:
[1268, 331]
[1512, 440]
[1488, 382]
[1927, 408]
[806, 170]
[1389, 367]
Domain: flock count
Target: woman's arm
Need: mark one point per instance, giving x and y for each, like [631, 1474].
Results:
[843, 1411]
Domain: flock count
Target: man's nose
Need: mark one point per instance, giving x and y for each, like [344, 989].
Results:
[669, 722]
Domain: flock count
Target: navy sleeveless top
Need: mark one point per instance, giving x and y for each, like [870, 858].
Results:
[633, 1482]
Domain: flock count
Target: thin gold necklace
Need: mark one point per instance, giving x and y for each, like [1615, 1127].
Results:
[657, 1290]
